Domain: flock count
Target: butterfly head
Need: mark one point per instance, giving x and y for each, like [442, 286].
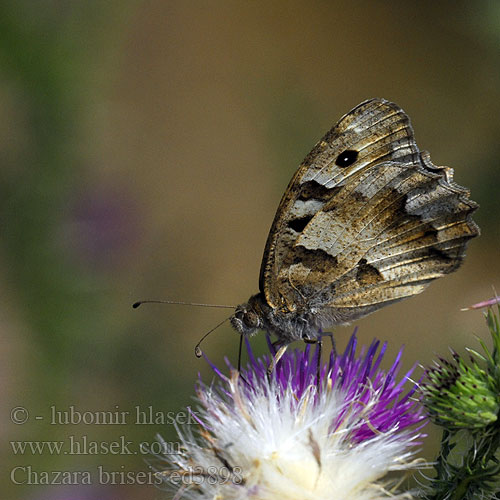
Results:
[247, 318]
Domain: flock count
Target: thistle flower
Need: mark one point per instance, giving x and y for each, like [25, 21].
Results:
[300, 433]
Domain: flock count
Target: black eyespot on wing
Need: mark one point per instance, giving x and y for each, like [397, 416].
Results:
[348, 157]
[298, 225]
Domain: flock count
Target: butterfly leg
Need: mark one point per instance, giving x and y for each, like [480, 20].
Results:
[330, 334]
[318, 366]
[240, 349]
[275, 360]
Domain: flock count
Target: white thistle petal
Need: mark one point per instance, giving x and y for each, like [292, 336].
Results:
[281, 439]
[281, 448]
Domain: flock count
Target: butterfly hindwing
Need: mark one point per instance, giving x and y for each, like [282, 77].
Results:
[367, 219]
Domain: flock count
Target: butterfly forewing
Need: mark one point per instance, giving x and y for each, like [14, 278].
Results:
[366, 220]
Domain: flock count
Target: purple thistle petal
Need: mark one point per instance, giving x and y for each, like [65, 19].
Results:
[357, 377]
[380, 356]
[195, 417]
[214, 368]
[250, 352]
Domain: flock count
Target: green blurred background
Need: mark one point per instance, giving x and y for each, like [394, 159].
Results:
[145, 146]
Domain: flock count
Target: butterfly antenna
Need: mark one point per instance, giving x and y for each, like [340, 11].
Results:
[135, 305]
[197, 350]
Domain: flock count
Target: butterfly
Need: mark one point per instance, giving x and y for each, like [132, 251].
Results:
[367, 220]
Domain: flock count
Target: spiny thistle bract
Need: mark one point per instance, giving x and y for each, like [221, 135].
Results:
[464, 398]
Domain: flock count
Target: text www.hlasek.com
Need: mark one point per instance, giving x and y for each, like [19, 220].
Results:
[82, 445]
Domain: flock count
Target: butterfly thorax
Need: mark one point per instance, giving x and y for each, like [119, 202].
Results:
[285, 324]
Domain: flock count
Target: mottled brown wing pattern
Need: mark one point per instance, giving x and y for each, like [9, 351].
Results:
[366, 220]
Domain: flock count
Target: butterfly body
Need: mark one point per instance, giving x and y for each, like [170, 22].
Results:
[287, 325]
[366, 220]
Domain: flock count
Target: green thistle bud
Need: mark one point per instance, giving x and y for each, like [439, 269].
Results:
[464, 398]
[461, 396]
